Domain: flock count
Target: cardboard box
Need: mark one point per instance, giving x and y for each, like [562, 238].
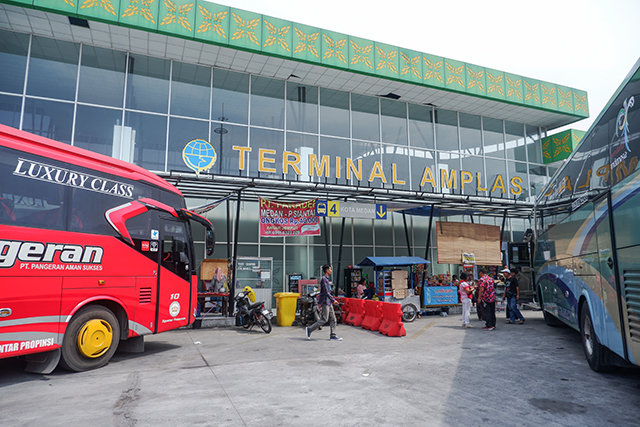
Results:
[400, 283]
[400, 293]
[399, 274]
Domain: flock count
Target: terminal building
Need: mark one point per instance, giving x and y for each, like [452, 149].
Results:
[232, 105]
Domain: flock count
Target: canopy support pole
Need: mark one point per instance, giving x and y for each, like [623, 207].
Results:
[406, 233]
[232, 287]
[347, 291]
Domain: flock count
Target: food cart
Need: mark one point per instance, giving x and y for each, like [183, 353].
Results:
[394, 281]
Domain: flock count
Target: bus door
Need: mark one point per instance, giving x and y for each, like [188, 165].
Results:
[625, 202]
[174, 291]
[608, 288]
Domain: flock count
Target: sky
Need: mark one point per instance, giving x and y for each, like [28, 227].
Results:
[589, 45]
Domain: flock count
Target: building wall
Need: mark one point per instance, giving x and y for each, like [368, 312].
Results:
[145, 109]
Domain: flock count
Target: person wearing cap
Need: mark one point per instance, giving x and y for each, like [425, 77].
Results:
[512, 294]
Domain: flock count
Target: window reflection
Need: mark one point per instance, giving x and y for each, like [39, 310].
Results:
[98, 128]
[420, 160]
[13, 57]
[421, 126]
[475, 167]
[336, 148]
[230, 96]
[447, 131]
[497, 184]
[334, 113]
[148, 84]
[364, 114]
[102, 74]
[150, 133]
[470, 138]
[303, 145]
[181, 131]
[228, 162]
[302, 108]
[394, 121]
[492, 133]
[50, 119]
[267, 102]
[514, 133]
[366, 154]
[533, 144]
[518, 170]
[398, 156]
[271, 162]
[190, 90]
[10, 108]
[53, 61]
[449, 172]
[538, 178]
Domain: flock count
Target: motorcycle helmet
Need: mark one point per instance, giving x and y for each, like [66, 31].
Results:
[250, 294]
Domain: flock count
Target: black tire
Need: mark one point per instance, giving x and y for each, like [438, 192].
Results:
[264, 323]
[593, 350]
[409, 312]
[80, 340]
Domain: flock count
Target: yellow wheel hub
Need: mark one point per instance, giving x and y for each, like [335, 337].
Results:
[95, 337]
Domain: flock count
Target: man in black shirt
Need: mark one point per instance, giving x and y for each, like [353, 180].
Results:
[512, 293]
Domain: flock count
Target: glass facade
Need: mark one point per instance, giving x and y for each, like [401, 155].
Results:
[145, 110]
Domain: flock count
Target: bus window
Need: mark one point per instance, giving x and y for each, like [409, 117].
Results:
[27, 197]
[175, 248]
[144, 231]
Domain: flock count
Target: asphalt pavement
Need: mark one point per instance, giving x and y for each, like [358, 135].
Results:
[439, 374]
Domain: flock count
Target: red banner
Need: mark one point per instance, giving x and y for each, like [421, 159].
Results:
[279, 219]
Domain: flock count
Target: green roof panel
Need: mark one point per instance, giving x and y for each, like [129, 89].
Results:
[361, 55]
[307, 43]
[245, 29]
[433, 69]
[177, 17]
[104, 11]
[410, 65]
[276, 36]
[335, 49]
[455, 76]
[212, 23]
[142, 14]
[476, 79]
[386, 60]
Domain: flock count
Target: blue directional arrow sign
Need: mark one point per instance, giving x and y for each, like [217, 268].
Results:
[381, 211]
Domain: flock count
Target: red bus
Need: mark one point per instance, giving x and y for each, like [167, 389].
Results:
[95, 253]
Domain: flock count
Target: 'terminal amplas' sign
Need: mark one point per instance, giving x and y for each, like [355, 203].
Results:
[321, 167]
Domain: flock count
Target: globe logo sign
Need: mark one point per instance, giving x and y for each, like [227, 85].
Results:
[199, 155]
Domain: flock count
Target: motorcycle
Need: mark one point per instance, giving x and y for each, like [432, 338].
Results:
[250, 313]
[309, 309]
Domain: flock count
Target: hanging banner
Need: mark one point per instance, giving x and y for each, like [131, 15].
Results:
[279, 219]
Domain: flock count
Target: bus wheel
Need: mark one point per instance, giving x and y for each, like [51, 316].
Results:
[593, 350]
[91, 339]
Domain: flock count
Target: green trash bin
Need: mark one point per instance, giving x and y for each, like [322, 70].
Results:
[286, 307]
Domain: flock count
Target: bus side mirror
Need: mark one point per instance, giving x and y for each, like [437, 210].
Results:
[210, 241]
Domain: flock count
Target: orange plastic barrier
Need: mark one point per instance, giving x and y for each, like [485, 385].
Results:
[372, 315]
[356, 312]
[392, 325]
[345, 309]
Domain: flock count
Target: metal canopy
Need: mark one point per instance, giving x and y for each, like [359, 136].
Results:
[213, 187]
